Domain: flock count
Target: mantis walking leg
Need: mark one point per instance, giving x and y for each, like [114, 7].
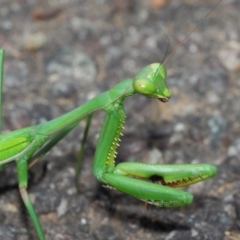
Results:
[81, 151]
[22, 170]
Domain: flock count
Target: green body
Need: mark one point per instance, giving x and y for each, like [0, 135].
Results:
[152, 183]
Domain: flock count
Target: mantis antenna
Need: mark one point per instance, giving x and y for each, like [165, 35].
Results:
[189, 33]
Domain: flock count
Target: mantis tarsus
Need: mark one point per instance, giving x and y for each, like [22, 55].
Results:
[152, 183]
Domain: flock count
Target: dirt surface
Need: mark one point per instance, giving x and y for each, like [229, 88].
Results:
[61, 53]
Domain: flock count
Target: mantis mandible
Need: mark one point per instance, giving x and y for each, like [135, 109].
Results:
[152, 183]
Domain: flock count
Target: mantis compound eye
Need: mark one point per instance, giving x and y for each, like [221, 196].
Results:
[144, 87]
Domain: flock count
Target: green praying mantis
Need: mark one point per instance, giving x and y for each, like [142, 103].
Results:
[152, 183]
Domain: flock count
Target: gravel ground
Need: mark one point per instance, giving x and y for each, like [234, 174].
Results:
[61, 53]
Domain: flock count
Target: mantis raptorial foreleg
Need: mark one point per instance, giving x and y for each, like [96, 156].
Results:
[143, 181]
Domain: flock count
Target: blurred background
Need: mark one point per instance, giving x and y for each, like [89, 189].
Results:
[61, 53]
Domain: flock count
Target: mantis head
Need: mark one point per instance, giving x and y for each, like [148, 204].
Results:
[150, 81]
